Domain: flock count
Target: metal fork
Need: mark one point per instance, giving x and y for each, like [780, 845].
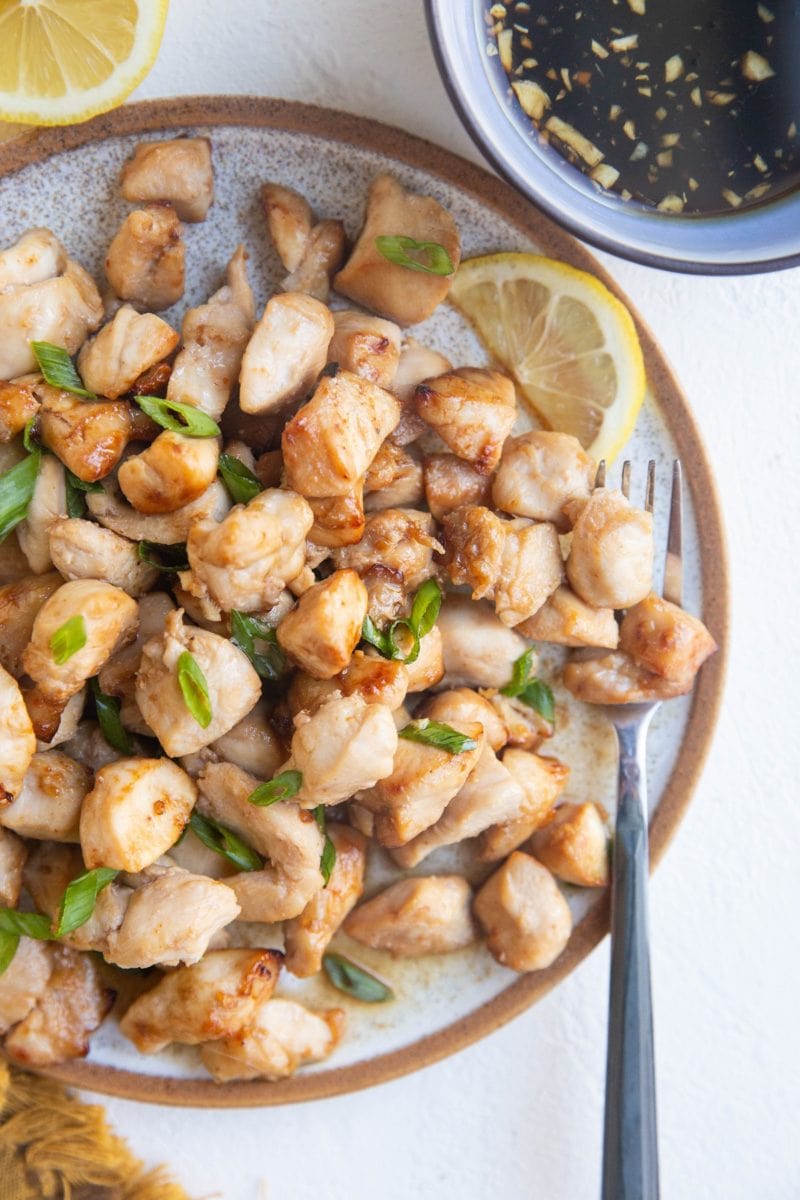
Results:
[630, 1141]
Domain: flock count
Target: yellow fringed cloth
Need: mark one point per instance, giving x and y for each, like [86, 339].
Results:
[53, 1147]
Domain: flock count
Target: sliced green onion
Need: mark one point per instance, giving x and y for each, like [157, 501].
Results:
[76, 488]
[245, 632]
[8, 948]
[59, 370]
[520, 673]
[381, 641]
[32, 925]
[16, 492]
[539, 696]
[223, 841]
[170, 557]
[238, 479]
[80, 897]
[281, 787]
[111, 727]
[435, 733]
[396, 249]
[190, 421]
[425, 609]
[354, 981]
[68, 639]
[328, 858]
[194, 688]
[29, 436]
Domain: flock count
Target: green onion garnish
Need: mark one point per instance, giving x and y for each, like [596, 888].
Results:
[111, 727]
[435, 733]
[59, 370]
[281, 787]
[240, 481]
[435, 259]
[223, 841]
[194, 688]
[16, 492]
[68, 639]
[354, 981]
[190, 421]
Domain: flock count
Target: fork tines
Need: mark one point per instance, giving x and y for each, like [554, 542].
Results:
[673, 561]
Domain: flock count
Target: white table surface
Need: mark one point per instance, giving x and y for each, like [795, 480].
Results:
[519, 1115]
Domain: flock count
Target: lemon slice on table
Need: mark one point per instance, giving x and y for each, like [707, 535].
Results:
[67, 60]
[570, 344]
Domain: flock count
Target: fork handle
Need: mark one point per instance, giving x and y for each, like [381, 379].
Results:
[630, 1148]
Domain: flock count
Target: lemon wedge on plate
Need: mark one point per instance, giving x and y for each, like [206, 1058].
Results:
[67, 60]
[570, 344]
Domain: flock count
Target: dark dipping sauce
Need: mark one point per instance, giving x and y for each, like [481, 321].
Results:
[687, 106]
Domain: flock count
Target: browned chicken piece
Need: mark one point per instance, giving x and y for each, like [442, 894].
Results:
[573, 843]
[394, 291]
[479, 650]
[145, 263]
[214, 338]
[50, 868]
[88, 436]
[329, 444]
[69, 720]
[375, 680]
[232, 685]
[47, 504]
[13, 853]
[428, 668]
[472, 410]
[112, 511]
[252, 744]
[474, 538]
[345, 746]
[24, 980]
[280, 1038]
[366, 345]
[289, 220]
[112, 361]
[338, 520]
[19, 403]
[539, 473]
[172, 472]
[73, 1004]
[210, 999]
[568, 621]
[424, 915]
[400, 540]
[394, 480]
[62, 310]
[526, 919]
[664, 639]
[542, 780]
[324, 253]
[615, 678]
[464, 704]
[423, 781]
[610, 563]
[324, 628]
[451, 483]
[287, 837]
[118, 676]
[268, 467]
[136, 810]
[84, 550]
[285, 354]
[108, 619]
[37, 255]
[387, 594]
[306, 937]
[530, 570]
[49, 803]
[177, 171]
[525, 726]
[20, 601]
[417, 362]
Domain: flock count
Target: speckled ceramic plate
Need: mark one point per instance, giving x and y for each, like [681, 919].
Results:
[67, 179]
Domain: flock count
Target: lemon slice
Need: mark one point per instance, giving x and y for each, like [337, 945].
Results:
[570, 344]
[67, 60]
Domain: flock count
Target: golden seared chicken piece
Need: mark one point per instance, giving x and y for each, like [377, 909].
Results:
[395, 291]
[13, 853]
[280, 1038]
[246, 560]
[423, 781]
[289, 220]
[330, 443]
[19, 403]
[62, 310]
[345, 746]
[252, 744]
[172, 472]
[102, 619]
[49, 803]
[474, 538]
[479, 650]
[664, 639]
[118, 676]
[145, 263]
[67, 726]
[615, 678]
[50, 868]
[530, 570]
[568, 621]
[306, 936]
[136, 810]
[572, 842]
[114, 513]
[210, 999]
[24, 981]
[387, 593]
[177, 171]
[394, 479]
[472, 410]
[83, 550]
[417, 362]
[428, 668]
[542, 780]
[232, 685]
[88, 436]
[539, 473]
[286, 352]
[323, 255]
[287, 837]
[424, 915]
[37, 255]
[610, 563]
[70, 1008]
[464, 704]
[366, 345]
[322, 631]
[375, 680]
[338, 520]
[214, 337]
[526, 919]
[451, 483]
[131, 343]
[47, 505]
[400, 540]
[525, 726]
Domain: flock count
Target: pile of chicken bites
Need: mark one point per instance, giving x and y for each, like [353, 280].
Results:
[270, 592]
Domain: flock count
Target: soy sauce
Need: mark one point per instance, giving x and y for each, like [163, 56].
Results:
[690, 106]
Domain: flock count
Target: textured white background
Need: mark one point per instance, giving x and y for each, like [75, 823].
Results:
[520, 1114]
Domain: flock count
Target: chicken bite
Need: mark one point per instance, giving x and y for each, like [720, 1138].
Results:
[479, 650]
[131, 343]
[567, 620]
[61, 310]
[36, 256]
[375, 680]
[83, 550]
[177, 171]
[610, 563]
[394, 479]
[322, 631]
[338, 520]
[400, 540]
[542, 780]
[165, 529]
[20, 601]
[172, 472]
[615, 678]
[366, 345]
[24, 980]
[526, 919]
[306, 936]
[48, 806]
[289, 220]
[531, 569]
[539, 473]
[145, 263]
[88, 436]
[472, 409]
[48, 503]
[281, 1037]
[345, 746]
[424, 915]
[252, 744]
[13, 853]
[50, 868]
[427, 668]
[19, 403]
[474, 538]
[572, 842]
[417, 363]
[286, 352]
[451, 483]
[664, 639]
[323, 256]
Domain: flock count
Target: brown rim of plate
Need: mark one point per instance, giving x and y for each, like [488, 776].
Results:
[154, 116]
